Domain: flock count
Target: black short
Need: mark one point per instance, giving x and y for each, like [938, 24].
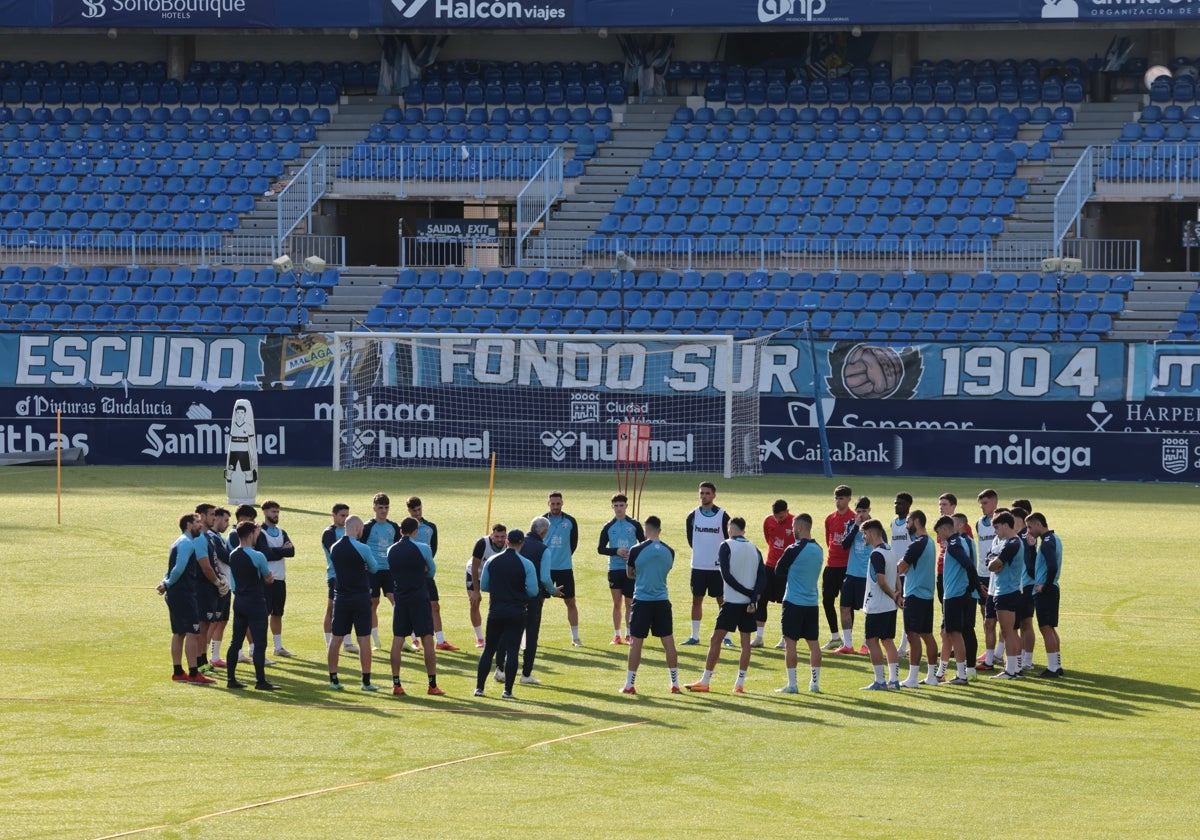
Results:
[651, 618]
[881, 625]
[1025, 605]
[224, 604]
[918, 615]
[854, 592]
[831, 583]
[941, 592]
[776, 586]
[707, 582]
[800, 622]
[566, 579]
[988, 607]
[619, 579]
[1008, 602]
[381, 582]
[735, 618]
[330, 581]
[1046, 605]
[207, 601]
[412, 616]
[276, 597]
[958, 614]
[181, 604]
[431, 584]
[351, 614]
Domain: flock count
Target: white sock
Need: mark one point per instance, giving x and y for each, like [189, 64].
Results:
[931, 671]
[816, 675]
[971, 673]
[375, 636]
[914, 673]
[893, 671]
[791, 675]
[759, 634]
[903, 649]
[1026, 659]
[989, 657]
[439, 637]
[630, 676]
[695, 629]
[674, 676]
[479, 633]
[574, 632]
[705, 677]
[999, 650]
[1011, 664]
[250, 650]
[1054, 662]
[278, 640]
[216, 649]
[328, 639]
[878, 673]
[847, 635]
[943, 665]
[960, 670]
[741, 679]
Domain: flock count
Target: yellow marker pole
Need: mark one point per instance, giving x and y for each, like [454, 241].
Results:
[487, 526]
[58, 461]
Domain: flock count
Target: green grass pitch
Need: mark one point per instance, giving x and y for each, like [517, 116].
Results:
[96, 741]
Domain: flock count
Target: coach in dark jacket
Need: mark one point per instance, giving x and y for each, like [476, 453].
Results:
[510, 580]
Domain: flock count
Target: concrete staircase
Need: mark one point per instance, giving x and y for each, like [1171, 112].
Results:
[1095, 123]
[608, 173]
[1153, 305]
[358, 289]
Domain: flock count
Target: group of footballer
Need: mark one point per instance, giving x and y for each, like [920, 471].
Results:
[1010, 577]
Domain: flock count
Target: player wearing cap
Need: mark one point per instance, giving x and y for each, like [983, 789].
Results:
[777, 531]
[836, 558]
[799, 568]
[510, 580]
[648, 565]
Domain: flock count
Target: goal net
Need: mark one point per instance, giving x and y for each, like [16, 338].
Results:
[545, 401]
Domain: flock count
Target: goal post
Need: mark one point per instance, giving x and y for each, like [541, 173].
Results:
[544, 401]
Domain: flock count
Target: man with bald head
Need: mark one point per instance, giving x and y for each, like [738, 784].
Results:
[354, 564]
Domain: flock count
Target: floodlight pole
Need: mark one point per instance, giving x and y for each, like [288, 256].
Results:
[824, 436]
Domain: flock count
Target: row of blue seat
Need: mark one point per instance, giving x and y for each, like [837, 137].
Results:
[1150, 170]
[558, 134]
[744, 300]
[156, 133]
[95, 202]
[15, 220]
[14, 275]
[755, 246]
[1155, 132]
[354, 73]
[446, 170]
[999, 116]
[14, 173]
[825, 281]
[515, 93]
[52, 93]
[879, 187]
[812, 224]
[313, 296]
[1027, 91]
[843, 325]
[109, 316]
[132, 184]
[912, 207]
[1182, 89]
[1169, 114]
[829, 133]
[492, 72]
[838, 151]
[143, 116]
[848, 169]
[163, 149]
[431, 117]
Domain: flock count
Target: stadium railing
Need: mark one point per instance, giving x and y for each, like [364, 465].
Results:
[203, 250]
[296, 200]
[537, 197]
[451, 170]
[768, 253]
